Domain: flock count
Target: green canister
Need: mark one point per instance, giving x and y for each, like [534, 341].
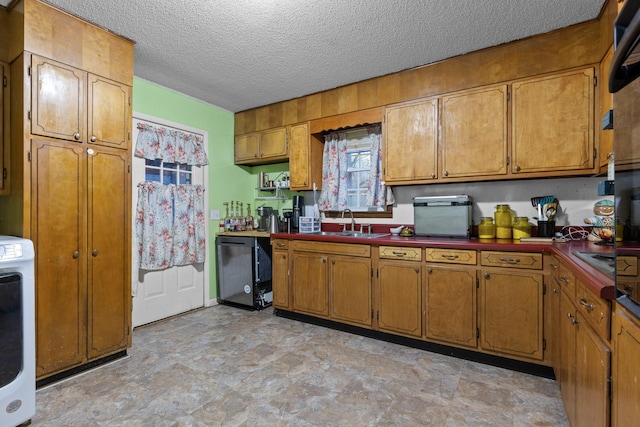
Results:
[504, 221]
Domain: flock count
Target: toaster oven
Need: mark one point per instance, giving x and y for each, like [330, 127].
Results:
[443, 216]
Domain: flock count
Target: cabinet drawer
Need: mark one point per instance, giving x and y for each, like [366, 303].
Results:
[511, 260]
[332, 248]
[397, 252]
[280, 244]
[451, 256]
[596, 310]
[626, 265]
[567, 280]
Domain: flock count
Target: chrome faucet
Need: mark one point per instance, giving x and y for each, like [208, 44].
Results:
[353, 222]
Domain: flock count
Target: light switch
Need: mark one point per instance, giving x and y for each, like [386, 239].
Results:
[215, 214]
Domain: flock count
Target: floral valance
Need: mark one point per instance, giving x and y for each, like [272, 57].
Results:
[172, 146]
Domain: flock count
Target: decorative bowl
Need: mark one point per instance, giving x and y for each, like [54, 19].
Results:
[395, 231]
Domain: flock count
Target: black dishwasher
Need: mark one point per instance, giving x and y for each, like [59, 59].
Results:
[244, 271]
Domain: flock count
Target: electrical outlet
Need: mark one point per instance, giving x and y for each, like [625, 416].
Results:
[215, 214]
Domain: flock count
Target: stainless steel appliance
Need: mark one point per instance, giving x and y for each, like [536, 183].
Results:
[442, 216]
[625, 86]
[298, 211]
[244, 271]
[17, 331]
[263, 214]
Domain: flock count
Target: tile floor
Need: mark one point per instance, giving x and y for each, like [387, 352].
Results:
[223, 366]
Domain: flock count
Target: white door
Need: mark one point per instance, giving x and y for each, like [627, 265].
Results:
[164, 293]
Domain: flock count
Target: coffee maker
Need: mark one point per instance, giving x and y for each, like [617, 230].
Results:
[263, 213]
[298, 211]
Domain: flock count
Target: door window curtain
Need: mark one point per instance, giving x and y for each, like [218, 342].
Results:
[334, 172]
[170, 219]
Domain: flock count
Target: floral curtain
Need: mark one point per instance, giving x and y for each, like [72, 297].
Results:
[170, 145]
[169, 224]
[334, 173]
[376, 190]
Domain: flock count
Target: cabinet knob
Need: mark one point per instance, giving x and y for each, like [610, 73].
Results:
[76, 254]
[433, 175]
[446, 173]
[93, 138]
[487, 276]
[94, 252]
[517, 168]
[76, 136]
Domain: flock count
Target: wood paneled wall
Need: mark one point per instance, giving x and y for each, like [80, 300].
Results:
[569, 47]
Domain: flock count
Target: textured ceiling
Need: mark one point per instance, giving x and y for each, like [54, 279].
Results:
[240, 54]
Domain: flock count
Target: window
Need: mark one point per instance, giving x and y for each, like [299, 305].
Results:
[358, 168]
[167, 173]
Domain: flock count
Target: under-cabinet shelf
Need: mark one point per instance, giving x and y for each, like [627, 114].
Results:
[276, 193]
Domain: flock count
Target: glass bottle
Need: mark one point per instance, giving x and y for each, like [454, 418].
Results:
[248, 220]
[227, 218]
[504, 221]
[241, 223]
[486, 229]
[521, 227]
[233, 217]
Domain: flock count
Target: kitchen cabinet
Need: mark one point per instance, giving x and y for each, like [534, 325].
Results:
[399, 287]
[84, 107]
[280, 273]
[605, 104]
[305, 158]
[71, 182]
[625, 411]
[332, 280]
[268, 146]
[584, 367]
[627, 279]
[82, 262]
[474, 133]
[510, 304]
[552, 312]
[410, 148]
[627, 127]
[552, 120]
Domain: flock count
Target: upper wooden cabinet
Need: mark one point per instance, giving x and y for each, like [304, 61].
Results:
[4, 130]
[304, 151]
[474, 133]
[410, 144]
[553, 123]
[68, 103]
[269, 146]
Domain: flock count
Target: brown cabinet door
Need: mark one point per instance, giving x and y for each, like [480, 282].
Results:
[451, 305]
[400, 297]
[109, 112]
[625, 370]
[310, 284]
[273, 143]
[411, 142]
[474, 133]
[350, 290]
[280, 279]
[510, 309]
[553, 123]
[567, 356]
[305, 158]
[58, 224]
[592, 374]
[57, 100]
[246, 147]
[108, 251]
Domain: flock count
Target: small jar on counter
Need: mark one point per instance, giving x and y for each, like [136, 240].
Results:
[486, 228]
[521, 227]
[504, 221]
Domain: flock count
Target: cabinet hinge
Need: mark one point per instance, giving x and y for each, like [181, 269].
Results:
[4, 173]
[29, 155]
[477, 283]
[508, 97]
[129, 101]
[129, 136]
[29, 70]
[477, 332]
[29, 115]
[129, 168]
[544, 344]
[610, 386]
[508, 160]
[595, 80]
[595, 154]
[544, 289]
[4, 81]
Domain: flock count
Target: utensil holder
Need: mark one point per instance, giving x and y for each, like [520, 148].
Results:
[546, 228]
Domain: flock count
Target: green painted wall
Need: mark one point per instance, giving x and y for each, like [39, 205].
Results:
[226, 181]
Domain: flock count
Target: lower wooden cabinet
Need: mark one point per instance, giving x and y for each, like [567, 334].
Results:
[280, 274]
[510, 309]
[450, 298]
[350, 290]
[400, 297]
[625, 410]
[310, 283]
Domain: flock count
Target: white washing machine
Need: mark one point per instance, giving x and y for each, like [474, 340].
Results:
[17, 331]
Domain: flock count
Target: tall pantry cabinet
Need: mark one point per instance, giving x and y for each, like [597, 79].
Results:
[70, 187]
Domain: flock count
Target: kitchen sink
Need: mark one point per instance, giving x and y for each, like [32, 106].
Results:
[349, 234]
[603, 261]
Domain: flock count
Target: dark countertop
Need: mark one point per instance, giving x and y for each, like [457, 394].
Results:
[599, 283]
